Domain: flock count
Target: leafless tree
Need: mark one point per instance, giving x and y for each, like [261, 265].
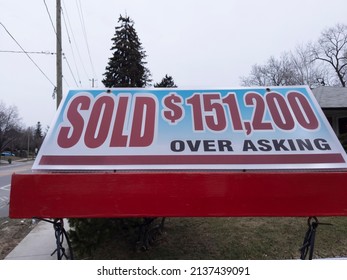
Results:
[276, 72]
[331, 49]
[281, 71]
[10, 126]
[292, 68]
[307, 71]
[257, 77]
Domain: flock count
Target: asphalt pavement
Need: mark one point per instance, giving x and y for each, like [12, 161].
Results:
[6, 171]
[40, 243]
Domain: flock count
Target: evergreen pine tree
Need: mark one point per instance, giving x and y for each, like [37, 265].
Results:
[126, 68]
[166, 82]
[38, 137]
[38, 131]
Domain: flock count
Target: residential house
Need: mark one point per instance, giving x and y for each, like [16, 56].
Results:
[333, 101]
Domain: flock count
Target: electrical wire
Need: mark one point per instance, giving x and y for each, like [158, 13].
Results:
[55, 32]
[80, 12]
[26, 53]
[75, 42]
[66, 82]
[72, 51]
[50, 18]
[68, 64]
[42, 52]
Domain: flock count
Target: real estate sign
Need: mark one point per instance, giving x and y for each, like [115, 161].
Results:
[210, 129]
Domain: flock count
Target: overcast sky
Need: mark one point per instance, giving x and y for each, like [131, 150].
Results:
[200, 43]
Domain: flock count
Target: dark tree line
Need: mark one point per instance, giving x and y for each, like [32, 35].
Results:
[14, 137]
[10, 128]
[166, 82]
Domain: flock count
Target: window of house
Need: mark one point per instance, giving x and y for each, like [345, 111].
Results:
[330, 120]
[342, 125]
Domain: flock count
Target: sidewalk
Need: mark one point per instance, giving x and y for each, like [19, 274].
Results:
[39, 244]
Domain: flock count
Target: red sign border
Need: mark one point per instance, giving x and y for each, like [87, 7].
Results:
[178, 194]
[216, 160]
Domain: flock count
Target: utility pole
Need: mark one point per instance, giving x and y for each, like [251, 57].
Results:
[93, 82]
[59, 55]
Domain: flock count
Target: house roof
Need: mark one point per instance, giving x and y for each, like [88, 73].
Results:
[331, 97]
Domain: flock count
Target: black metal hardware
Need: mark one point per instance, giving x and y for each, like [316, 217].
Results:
[310, 236]
[60, 235]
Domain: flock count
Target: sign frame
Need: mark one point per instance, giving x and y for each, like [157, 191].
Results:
[214, 129]
[212, 191]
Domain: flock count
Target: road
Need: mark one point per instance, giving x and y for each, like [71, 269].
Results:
[6, 170]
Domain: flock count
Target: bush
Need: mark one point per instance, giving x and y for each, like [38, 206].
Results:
[87, 234]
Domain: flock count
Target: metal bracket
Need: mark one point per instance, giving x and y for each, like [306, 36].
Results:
[149, 232]
[310, 236]
[60, 236]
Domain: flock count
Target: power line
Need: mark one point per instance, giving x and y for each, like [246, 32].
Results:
[66, 82]
[72, 51]
[75, 42]
[42, 52]
[55, 32]
[50, 18]
[80, 13]
[26, 53]
[68, 64]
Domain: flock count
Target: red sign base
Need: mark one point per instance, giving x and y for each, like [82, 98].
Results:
[178, 194]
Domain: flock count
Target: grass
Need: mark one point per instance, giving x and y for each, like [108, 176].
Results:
[229, 238]
[4, 160]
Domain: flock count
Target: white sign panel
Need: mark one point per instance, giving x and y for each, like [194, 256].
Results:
[245, 128]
